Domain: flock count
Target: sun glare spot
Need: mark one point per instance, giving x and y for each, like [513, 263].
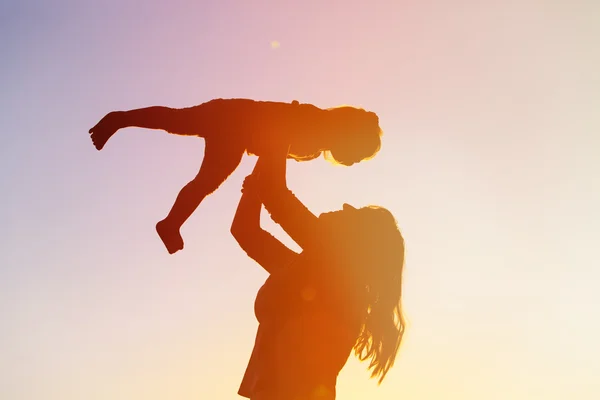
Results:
[321, 392]
[308, 293]
[275, 44]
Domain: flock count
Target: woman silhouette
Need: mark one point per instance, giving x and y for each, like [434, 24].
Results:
[342, 293]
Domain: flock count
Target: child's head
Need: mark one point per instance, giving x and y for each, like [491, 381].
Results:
[355, 135]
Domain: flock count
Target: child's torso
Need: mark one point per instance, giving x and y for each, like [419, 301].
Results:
[258, 123]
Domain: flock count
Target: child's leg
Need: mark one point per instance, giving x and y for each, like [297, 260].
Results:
[184, 121]
[220, 160]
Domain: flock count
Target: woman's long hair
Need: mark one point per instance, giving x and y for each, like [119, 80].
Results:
[374, 247]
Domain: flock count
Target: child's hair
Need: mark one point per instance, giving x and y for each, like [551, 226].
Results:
[356, 135]
[345, 135]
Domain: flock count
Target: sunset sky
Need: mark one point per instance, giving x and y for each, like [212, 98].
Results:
[490, 162]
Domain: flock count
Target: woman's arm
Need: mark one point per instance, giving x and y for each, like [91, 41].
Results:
[259, 244]
[285, 209]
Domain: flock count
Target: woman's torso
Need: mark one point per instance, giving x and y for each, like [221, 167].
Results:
[307, 331]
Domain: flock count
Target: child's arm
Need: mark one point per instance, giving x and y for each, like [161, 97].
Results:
[285, 209]
[259, 244]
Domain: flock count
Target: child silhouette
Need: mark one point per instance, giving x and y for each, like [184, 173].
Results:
[230, 127]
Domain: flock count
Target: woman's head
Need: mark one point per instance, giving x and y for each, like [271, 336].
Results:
[368, 243]
[355, 135]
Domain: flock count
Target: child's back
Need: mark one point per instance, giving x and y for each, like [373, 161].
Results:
[256, 124]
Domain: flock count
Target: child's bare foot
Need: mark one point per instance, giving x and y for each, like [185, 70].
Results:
[104, 129]
[170, 236]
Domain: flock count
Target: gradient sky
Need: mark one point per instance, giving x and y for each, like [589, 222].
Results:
[489, 162]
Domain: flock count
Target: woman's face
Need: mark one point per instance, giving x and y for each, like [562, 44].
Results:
[338, 215]
[347, 207]
[342, 231]
[342, 224]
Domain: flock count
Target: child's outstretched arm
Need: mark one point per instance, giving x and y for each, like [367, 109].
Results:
[285, 209]
[259, 244]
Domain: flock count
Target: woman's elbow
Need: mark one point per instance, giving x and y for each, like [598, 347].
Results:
[237, 231]
[246, 239]
[242, 234]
